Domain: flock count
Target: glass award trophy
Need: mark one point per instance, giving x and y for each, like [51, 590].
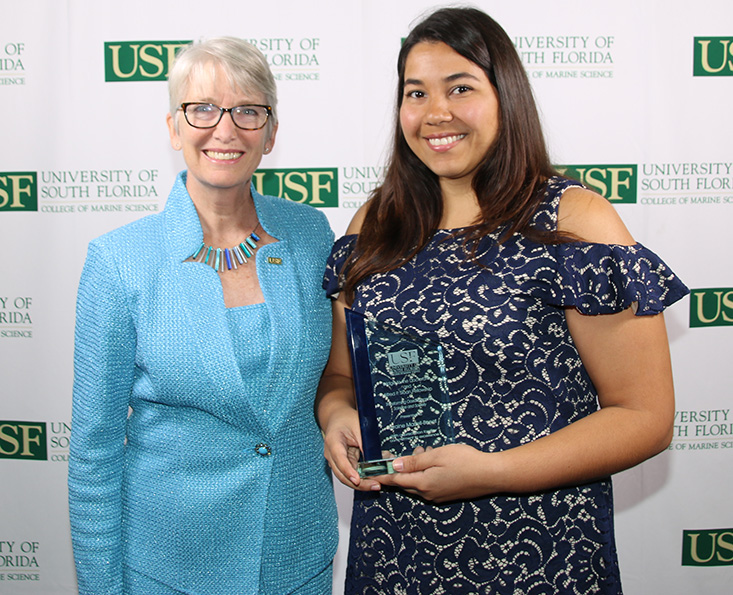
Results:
[401, 393]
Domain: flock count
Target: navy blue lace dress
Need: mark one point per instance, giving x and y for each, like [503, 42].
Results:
[514, 375]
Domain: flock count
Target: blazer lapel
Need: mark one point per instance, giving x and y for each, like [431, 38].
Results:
[278, 275]
[201, 296]
[206, 315]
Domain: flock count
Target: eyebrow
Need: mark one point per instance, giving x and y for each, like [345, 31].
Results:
[448, 79]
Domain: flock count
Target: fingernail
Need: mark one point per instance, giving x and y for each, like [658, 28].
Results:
[398, 465]
[375, 487]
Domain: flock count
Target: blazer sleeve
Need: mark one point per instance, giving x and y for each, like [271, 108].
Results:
[104, 369]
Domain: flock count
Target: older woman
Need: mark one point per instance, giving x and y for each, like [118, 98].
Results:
[207, 324]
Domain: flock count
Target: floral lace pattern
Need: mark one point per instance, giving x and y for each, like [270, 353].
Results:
[514, 375]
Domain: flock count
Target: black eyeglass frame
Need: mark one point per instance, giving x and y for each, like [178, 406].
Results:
[222, 110]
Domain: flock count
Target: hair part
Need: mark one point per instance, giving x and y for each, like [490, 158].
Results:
[404, 212]
[244, 66]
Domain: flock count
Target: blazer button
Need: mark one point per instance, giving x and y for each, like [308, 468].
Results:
[263, 450]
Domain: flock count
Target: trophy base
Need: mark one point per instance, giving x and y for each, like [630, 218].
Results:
[372, 468]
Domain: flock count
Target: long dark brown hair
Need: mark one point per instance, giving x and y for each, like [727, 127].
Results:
[403, 213]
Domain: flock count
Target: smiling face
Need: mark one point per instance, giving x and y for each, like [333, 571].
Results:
[449, 113]
[222, 158]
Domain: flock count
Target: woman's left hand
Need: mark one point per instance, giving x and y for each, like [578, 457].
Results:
[451, 472]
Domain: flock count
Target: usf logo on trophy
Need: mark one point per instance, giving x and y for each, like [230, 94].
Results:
[401, 392]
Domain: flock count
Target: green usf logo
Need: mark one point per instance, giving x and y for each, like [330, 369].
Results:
[711, 307]
[317, 187]
[139, 60]
[23, 440]
[617, 183]
[711, 547]
[18, 191]
[713, 56]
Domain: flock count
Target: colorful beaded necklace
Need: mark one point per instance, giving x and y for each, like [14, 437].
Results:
[217, 258]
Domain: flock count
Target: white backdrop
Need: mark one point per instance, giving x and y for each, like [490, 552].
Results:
[635, 97]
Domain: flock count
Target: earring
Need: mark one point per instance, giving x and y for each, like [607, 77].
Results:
[267, 149]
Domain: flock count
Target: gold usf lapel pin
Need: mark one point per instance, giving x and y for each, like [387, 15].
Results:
[274, 260]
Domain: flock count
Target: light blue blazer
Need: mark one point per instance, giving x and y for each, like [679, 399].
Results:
[183, 489]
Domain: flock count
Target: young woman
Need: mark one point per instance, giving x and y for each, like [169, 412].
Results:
[549, 314]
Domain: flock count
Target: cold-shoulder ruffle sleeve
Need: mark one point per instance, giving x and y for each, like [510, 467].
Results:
[604, 279]
[333, 278]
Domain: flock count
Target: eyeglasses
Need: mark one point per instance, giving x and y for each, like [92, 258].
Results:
[208, 115]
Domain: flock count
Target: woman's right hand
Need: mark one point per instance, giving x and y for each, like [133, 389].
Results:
[342, 448]
[335, 409]
[342, 445]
